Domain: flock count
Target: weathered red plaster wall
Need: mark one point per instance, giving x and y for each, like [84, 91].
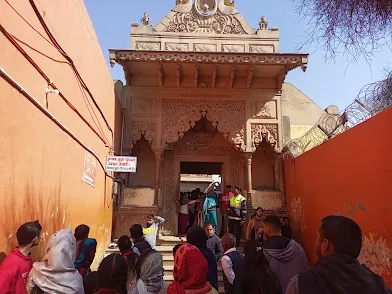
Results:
[41, 166]
[349, 175]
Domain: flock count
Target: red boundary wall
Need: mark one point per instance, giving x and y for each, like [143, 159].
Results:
[350, 175]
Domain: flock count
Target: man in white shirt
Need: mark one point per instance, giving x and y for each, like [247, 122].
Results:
[231, 259]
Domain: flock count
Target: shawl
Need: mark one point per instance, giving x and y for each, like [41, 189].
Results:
[85, 255]
[151, 272]
[56, 273]
[190, 272]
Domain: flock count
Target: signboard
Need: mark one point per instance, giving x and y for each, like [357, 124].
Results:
[90, 165]
[121, 164]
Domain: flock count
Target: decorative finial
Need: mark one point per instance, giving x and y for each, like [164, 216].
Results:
[263, 24]
[146, 19]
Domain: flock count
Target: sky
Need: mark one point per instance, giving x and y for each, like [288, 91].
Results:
[326, 82]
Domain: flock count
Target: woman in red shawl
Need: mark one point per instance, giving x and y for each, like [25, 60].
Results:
[190, 272]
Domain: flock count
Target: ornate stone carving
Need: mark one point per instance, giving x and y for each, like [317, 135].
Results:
[262, 109]
[179, 115]
[268, 132]
[233, 48]
[149, 46]
[204, 47]
[261, 48]
[138, 129]
[263, 24]
[206, 17]
[216, 24]
[176, 47]
[143, 106]
[146, 19]
[206, 7]
[291, 61]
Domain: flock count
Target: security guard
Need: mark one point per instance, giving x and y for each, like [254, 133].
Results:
[237, 214]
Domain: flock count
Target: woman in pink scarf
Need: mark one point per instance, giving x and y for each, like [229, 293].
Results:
[190, 272]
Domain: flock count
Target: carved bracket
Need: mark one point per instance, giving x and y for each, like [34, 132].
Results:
[139, 129]
[261, 132]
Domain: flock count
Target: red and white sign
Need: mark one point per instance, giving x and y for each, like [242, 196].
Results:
[90, 165]
[121, 164]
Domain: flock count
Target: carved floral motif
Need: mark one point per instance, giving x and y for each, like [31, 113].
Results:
[218, 23]
[148, 46]
[261, 48]
[176, 47]
[233, 48]
[262, 109]
[262, 132]
[204, 47]
[138, 129]
[143, 106]
[179, 115]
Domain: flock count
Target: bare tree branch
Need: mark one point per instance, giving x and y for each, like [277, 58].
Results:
[354, 27]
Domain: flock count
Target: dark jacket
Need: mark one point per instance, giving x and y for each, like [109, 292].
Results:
[340, 274]
[215, 245]
[142, 245]
[212, 275]
[252, 280]
[286, 261]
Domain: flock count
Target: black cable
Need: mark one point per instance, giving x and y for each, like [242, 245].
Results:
[60, 49]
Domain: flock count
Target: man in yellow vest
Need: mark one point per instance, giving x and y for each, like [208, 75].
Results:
[237, 214]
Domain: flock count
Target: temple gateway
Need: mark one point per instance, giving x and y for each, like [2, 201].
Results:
[205, 94]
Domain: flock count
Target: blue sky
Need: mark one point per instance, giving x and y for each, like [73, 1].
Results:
[325, 82]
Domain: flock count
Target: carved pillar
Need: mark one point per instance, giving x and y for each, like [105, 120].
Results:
[248, 163]
[158, 158]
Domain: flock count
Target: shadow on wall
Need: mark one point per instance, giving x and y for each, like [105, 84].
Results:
[31, 206]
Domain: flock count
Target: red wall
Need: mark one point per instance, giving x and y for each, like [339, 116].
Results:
[350, 175]
[40, 165]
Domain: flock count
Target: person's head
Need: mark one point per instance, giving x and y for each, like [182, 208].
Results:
[198, 190]
[259, 211]
[124, 243]
[228, 188]
[338, 234]
[210, 230]
[228, 242]
[272, 226]
[253, 251]
[149, 220]
[190, 269]
[237, 190]
[175, 248]
[81, 232]
[113, 273]
[28, 234]
[197, 237]
[136, 231]
[285, 221]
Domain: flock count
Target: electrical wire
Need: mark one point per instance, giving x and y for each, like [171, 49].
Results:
[87, 103]
[47, 79]
[21, 90]
[60, 49]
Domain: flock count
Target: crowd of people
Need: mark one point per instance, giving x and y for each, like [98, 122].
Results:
[271, 263]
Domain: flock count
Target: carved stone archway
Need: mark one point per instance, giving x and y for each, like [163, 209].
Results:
[180, 115]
